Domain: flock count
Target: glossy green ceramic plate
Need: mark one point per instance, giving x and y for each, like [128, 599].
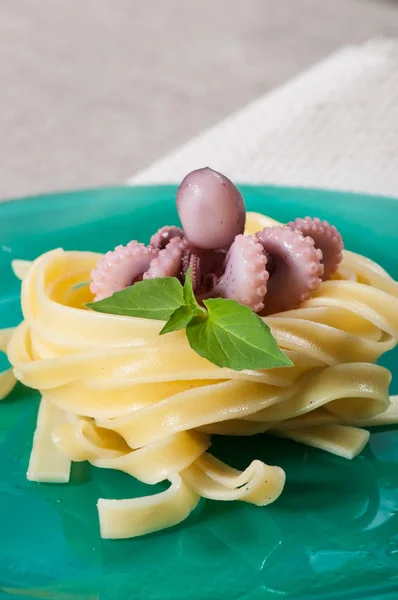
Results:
[333, 534]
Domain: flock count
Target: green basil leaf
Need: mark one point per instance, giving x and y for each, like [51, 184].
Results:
[148, 299]
[178, 320]
[234, 336]
[189, 296]
[184, 314]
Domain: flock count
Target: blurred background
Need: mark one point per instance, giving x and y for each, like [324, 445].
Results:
[92, 91]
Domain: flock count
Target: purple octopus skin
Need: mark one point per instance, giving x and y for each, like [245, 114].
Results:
[207, 266]
[297, 268]
[191, 259]
[275, 270]
[168, 262]
[211, 209]
[245, 277]
[213, 261]
[162, 237]
[326, 238]
[120, 268]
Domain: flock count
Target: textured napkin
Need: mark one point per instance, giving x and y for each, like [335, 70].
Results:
[334, 126]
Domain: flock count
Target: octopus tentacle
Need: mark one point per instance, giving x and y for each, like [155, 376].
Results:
[245, 277]
[326, 238]
[213, 261]
[297, 264]
[162, 237]
[168, 262]
[207, 266]
[191, 259]
[120, 268]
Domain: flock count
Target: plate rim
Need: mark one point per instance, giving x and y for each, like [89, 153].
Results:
[47, 195]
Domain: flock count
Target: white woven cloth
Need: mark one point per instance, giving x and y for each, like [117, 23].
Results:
[334, 126]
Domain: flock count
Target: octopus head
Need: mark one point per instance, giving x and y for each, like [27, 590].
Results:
[211, 209]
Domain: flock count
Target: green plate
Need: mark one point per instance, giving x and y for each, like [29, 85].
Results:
[333, 534]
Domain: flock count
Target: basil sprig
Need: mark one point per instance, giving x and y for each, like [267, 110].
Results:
[224, 332]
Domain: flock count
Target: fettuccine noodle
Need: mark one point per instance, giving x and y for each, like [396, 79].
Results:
[117, 394]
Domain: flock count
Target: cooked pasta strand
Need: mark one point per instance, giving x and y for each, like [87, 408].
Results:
[117, 394]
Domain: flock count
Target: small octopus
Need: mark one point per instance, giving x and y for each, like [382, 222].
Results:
[274, 270]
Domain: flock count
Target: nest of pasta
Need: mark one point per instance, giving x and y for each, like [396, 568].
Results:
[117, 394]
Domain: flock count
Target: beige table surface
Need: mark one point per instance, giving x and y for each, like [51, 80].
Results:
[94, 90]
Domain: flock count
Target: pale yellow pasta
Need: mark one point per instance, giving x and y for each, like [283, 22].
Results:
[82, 440]
[259, 484]
[321, 416]
[20, 267]
[47, 463]
[342, 440]
[138, 516]
[7, 378]
[5, 337]
[117, 394]
[7, 383]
